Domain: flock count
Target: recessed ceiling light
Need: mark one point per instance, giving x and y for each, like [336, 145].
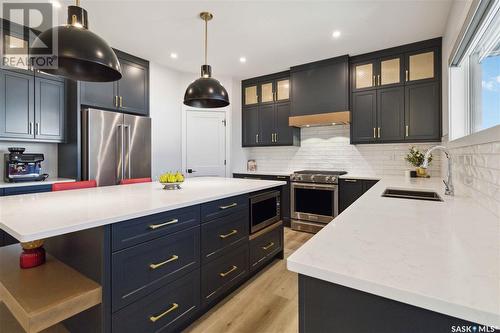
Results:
[243, 60]
[336, 34]
[334, 124]
[308, 125]
[55, 4]
[173, 55]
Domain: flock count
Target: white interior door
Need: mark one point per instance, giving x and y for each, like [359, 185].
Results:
[205, 143]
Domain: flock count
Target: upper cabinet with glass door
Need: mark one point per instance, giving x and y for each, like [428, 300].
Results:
[383, 72]
[267, 91]
[422, 66]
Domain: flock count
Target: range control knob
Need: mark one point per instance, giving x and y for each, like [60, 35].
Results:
[328, 179]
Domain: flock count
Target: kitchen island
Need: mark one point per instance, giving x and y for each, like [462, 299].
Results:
[401, 265]
[162, 258]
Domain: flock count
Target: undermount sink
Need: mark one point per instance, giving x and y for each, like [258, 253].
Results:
[411, 194]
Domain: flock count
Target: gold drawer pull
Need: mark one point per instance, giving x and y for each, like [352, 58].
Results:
[158, 317]
[234, 231]
[234, 204]
[350, 180]
[155, 266]
[156, 226]
[268, 246]
[229, 271]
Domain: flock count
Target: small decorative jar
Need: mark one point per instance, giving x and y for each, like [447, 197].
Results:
[33, 254]
[421, 172]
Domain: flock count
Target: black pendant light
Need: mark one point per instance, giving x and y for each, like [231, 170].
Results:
[206, 92]
[81, 54]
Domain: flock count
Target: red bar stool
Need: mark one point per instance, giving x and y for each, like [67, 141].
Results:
[135, 181]
[74, 185]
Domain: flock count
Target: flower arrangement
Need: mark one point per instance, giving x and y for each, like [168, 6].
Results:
[416, 158]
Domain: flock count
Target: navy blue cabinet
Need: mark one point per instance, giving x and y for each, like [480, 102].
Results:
[351, 189]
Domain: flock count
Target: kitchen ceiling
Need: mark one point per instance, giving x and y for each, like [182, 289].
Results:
[271, 35]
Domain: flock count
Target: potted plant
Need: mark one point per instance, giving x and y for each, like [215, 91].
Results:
[416, 158]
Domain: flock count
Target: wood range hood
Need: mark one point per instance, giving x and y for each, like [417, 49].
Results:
[321, 119]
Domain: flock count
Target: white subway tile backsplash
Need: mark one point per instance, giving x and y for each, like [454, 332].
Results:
[476, 172]
[328, 148]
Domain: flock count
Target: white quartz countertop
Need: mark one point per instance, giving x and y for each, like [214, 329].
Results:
[35, 216]
[47, 181]
[441, 256]
[264, 173]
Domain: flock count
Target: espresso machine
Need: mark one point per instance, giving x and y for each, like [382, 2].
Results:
[20, 167]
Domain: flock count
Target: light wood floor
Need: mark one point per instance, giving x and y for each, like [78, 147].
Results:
[268, 303]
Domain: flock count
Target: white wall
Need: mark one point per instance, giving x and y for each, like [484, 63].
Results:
[49, 150]
[166, 92]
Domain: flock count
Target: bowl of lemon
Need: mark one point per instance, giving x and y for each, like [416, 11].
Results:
[171, 181]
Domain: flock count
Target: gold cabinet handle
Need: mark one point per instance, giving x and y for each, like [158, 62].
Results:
[233, 232]
[407, 75]
[158, 265]
[158, 317]
[229, 271]
[116, 101]
[378, 79]
[268, 246]
[379, 132]
[30, 129]
[121, 101]
[156, 226]
[374, 82]
[234, 204]
[275, 137]
[351, 180]
[374, 133]
[406, 130]
[256, 138]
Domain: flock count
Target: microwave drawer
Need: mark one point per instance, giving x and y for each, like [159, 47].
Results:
[167, 309]
[220, 275]
[215, 209]
[222, 234]
[142, 229]
[141, 269]
[265, 247]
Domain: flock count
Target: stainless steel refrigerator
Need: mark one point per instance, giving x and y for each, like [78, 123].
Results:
[115, 146]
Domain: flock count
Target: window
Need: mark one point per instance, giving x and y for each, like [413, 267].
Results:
[475, 75]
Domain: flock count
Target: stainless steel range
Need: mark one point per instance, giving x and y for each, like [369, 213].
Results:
[314, 199]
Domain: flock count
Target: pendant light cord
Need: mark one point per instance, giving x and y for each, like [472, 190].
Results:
[206, 40]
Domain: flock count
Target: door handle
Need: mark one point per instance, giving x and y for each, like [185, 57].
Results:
[121, 168]
[190, 170]
[121, 101]
[127, 152]
[257, 138]
[30, 128]
[351, 180]
[37, 128]
[156, 226]
[407, 74]
[233, 232]
[158, 317]
[268, 246]
[234, 204]
[406, 130]
[229, 271]
[378, 79]
[374, 133]
[158, 265]
[116, 101]
[379, 132]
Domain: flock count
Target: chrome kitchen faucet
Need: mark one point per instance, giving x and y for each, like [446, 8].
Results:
[449, 189]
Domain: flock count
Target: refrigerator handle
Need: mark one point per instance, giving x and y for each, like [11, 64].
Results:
[127, 152]
[120, 166]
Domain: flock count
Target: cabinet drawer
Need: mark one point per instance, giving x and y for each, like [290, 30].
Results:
[223, 273]
[165, 310]
[265, 247]
[223, 207]
[222, 233]
[139, 230]
[141, 269]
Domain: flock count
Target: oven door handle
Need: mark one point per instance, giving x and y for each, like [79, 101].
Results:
[330, 187]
